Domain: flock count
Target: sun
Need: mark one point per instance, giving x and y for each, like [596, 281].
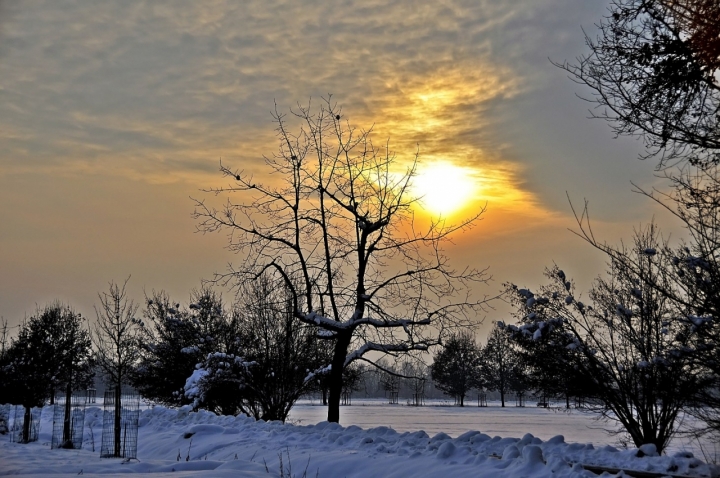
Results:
[444, 188]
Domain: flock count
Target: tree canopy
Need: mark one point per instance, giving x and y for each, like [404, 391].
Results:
[653, 71]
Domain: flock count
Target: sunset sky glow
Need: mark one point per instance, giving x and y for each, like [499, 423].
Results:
[114, 114]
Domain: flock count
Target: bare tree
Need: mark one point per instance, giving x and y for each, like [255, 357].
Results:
[691, 273]
[419, 374]
[636, 348]
[283, 350]
[340, 220]
[653, 74]
[499, 363]
[4, 338]
[116, 344]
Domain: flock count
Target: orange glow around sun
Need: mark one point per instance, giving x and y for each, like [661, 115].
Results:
[441, 117]
[444, 188]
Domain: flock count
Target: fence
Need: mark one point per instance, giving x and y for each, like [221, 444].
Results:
[26, 426]
[5, 419]
[68, 422]
[394, 394]
[121, 413]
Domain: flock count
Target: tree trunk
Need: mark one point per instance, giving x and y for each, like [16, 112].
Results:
[67, 431]
[462, 400]
[336, 380]
[118, 409]
[567, 401]
[324, 395]
[26, 425]
[502, 398]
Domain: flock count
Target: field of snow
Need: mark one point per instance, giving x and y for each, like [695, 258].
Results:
[440, 416]
[577, 426]
[430, 441]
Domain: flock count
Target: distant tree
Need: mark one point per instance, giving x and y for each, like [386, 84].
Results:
[352, 378]
[25, 372]
[499, 363]
[419, 374]
[26, 379]
[456, 368]
[4, 337]
[4, 362]
[52, 351]
[636, 348]
[520, 382]
[653, 73]
[5, 376]
[116, 343]
[321, 379]
[339, 220]
[389, 376]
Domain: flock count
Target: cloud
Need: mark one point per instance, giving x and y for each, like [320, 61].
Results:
[166, 88]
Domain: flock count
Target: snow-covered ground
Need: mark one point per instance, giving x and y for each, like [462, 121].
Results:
[440, 416]
[183, 443]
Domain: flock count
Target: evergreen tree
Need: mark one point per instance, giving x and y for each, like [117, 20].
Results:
[174, 340]
[52, 351]
[456, 368]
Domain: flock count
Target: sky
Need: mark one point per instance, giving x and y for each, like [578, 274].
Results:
[114, 115]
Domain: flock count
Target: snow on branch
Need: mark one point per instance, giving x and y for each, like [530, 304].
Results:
[329, 324]
[320, 371]
[383, 323]
[326, 323]
[387, 348]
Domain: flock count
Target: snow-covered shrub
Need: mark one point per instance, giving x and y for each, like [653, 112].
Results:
[217, 383]
[631, 350]
[175, 339]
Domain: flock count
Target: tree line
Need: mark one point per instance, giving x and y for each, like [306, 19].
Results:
[250, 357]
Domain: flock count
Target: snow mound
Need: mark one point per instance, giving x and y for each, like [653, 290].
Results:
[181, 442]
